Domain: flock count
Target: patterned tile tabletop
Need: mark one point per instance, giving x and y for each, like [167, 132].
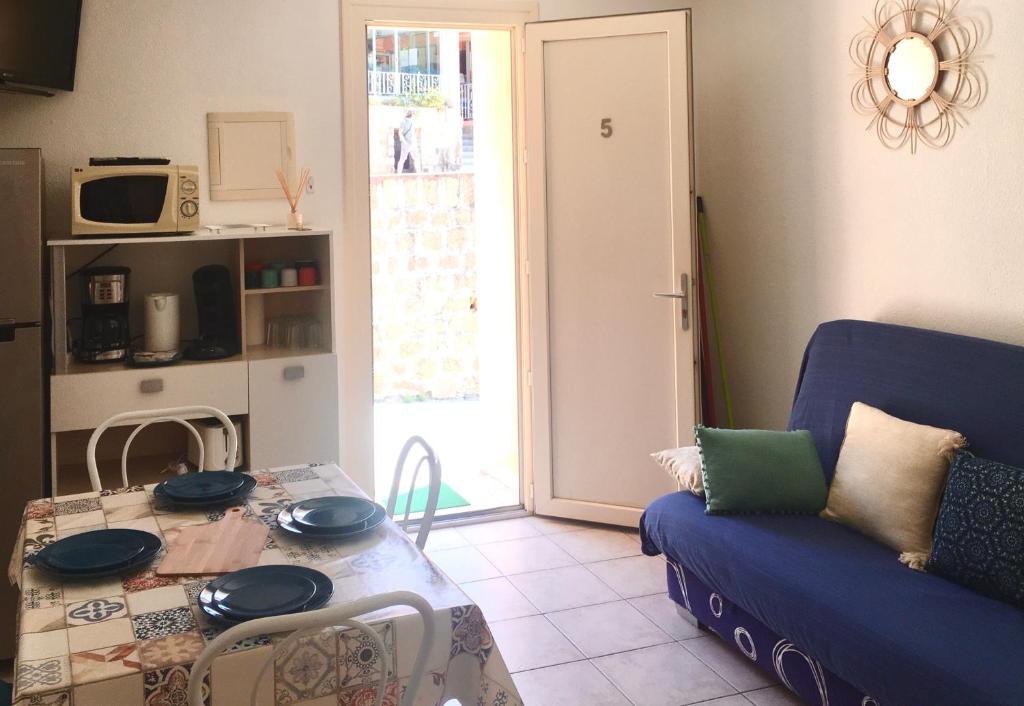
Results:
[131, 640]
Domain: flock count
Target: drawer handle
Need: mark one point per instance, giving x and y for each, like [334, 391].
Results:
[295, 372]
[148, 387]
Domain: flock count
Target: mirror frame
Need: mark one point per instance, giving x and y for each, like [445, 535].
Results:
[958, 85]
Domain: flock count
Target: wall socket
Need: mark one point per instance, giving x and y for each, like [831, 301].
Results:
[310, 189]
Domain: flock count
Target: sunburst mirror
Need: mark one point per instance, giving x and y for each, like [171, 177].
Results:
[916, 74]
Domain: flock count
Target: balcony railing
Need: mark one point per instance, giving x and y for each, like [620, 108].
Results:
[400, 83]
[466, 99]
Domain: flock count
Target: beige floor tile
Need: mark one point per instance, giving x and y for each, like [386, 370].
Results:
[729, 663]
[464, 564]
[572, 684]
[103, 634]
[439, 539]
[499, 531]
[564, 588]
[608, 628]
[664, 675]
[40, 645]
[773, 696]
[531, 643]
[596, 544]
[519, 556]
[633, 576]
[734, 700]
[499, 599]
[156, 599]
[554, 525]
[662, 610]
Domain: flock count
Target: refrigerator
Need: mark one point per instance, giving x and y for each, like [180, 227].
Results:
[23, 398]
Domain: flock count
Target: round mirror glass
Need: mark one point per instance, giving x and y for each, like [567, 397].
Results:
[912, 68]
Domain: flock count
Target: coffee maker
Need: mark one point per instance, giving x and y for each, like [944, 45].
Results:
[105, 335]
[215, 311]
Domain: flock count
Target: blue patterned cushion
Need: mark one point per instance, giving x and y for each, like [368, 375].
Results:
[979, 534]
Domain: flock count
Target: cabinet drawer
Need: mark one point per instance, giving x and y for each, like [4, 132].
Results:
[85, 400]
[293, 410]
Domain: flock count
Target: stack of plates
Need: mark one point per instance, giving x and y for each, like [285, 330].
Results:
[262, 591]
[98, 553]
[332, 517]
[204, 489]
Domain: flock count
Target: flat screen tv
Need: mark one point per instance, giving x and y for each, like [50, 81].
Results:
[39, 42]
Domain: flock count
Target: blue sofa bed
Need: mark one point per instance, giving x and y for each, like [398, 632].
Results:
[830, 612]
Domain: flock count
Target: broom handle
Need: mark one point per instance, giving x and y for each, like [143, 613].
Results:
[702, 231]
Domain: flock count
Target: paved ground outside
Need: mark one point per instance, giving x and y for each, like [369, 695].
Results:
[455, 429]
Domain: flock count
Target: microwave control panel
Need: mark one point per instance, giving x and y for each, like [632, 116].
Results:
[188, 198]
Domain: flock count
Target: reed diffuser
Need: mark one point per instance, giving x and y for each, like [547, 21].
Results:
[294, 217]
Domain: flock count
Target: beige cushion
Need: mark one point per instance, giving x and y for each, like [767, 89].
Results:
[683, 464]
[889, 480]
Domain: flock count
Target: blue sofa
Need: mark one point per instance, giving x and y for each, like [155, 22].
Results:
[830, 612]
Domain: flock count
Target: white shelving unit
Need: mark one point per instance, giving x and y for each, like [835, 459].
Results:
[286, 397]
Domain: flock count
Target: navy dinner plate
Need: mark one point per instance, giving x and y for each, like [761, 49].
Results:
[203, 486]
[262, 591]
[98, 553]
[331, 517]
[247, 483]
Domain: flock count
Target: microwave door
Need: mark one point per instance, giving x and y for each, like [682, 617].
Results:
[125, 200]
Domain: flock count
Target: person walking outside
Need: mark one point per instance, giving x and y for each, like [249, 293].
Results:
[406, 136]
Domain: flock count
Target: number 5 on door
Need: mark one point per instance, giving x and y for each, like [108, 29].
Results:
[606, 127]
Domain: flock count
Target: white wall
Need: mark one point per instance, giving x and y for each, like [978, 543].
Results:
[812, 218]
[148, 72]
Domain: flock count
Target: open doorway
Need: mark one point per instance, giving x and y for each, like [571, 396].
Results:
[443, 259]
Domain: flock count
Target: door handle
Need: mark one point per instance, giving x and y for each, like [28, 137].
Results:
[683, 295]
[294, 372]
[7, 327]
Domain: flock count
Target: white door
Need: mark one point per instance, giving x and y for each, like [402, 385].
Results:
[610, 224]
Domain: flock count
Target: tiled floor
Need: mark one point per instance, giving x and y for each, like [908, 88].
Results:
[582, 619]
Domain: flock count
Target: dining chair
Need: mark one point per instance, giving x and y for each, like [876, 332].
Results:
[154, 416]
[305, 624]
[434, 489]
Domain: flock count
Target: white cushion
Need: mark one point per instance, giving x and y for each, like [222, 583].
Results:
[683, 465]
[889, 480]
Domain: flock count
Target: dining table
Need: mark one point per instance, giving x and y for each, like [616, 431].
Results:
[130, 640]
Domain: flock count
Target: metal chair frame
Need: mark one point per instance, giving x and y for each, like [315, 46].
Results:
[305, 624]
[434, 466]
[154, 416]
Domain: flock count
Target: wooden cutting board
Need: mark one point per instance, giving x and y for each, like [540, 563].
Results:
[233, 543]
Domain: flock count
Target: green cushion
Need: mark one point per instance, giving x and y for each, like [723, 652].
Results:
[754, 471]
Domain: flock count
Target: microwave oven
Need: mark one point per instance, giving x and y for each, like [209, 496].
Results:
[134, 199]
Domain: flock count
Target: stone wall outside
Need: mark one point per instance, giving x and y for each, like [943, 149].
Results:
[424, 287]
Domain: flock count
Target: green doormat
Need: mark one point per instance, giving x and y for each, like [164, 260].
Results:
[446, 499]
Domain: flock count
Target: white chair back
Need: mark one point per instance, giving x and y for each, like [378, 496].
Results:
[434, 489]
[154, 416]
[305, 624]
